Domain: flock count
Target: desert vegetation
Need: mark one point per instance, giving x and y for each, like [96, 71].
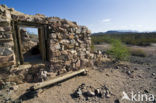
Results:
[118, 51]
[121, 43]
[137, 52]
[140, 39]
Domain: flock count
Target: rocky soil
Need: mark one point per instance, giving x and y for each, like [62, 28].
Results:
[103, 84]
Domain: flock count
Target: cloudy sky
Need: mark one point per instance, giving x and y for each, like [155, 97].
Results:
[98, 15]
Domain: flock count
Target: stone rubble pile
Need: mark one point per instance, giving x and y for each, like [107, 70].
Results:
[36, 73]
[100, 59]
[42, 75]
[100, 55]
[88, 92]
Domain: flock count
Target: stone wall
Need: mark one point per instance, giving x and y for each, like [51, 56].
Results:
[7, 57]
[68, 43]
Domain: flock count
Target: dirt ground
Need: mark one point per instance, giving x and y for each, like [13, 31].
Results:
[117, 80]
[127, 77]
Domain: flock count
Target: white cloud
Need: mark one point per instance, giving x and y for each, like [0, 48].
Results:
[100, 26]
[139, 25]
[106, 20]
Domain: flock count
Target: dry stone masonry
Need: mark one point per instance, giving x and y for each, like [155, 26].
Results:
[7, 56]
[69, 46]
[65, 45]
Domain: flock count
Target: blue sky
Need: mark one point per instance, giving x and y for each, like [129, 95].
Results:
[97, 15]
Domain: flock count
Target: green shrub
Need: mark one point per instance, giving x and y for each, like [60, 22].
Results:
[92, 46]
[138, 52]
[118, 50]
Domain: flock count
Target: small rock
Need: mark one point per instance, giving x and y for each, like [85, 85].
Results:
[135, 68]
[98, 92]
[140, 76]
[103, 93]
[14, 88]
[78, 64]
[12, 9]
[79, 92]
[82, 85]
[107, 75]
[146, 91]
[13, 83]
[148, 68]
[107, 95]
[2, 29]
[153, 74]
[117, 67]
[129, 72]
[117, 101]
[57, 46]
[29, 78]
[53, 35]
[7, 52]
[90, 93]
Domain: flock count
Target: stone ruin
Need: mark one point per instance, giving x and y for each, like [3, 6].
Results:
[63, 45]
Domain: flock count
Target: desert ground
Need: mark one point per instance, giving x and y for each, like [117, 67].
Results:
[138, 76]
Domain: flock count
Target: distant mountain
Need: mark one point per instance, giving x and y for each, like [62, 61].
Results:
[120, 32]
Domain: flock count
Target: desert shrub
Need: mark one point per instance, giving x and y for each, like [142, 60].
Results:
[118, 50]
[92, 46]
[138, 52]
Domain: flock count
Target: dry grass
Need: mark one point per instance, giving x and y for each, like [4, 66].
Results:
[137, 52]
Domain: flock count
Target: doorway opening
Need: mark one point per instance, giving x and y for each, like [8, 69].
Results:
[30, 42]
[30, 47]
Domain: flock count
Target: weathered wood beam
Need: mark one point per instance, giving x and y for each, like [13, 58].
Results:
[19, 43]
[29, 24]
[58, 79]
[6, 64]
[4, 59]
[5, 40]
[15, 42]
